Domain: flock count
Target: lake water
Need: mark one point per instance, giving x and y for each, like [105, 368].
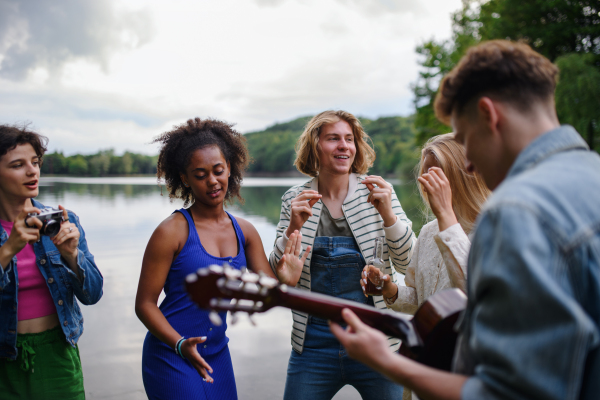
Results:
[119, 215]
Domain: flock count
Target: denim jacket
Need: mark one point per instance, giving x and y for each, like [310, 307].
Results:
[63, 283]
[532, 323]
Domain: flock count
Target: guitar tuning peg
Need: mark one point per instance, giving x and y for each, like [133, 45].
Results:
[215, 318]
[234, 318]
[251, 319]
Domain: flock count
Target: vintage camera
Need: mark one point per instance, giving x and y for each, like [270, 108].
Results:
[51, 219]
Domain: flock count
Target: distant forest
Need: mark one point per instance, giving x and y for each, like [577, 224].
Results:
[272, 150]
[393, 139]
[103, 163]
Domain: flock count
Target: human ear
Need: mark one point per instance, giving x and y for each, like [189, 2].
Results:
[184, 180]
[488, 113]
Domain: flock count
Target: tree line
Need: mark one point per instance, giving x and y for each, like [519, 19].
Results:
[393, 139]
[565, 31]
[103, 163]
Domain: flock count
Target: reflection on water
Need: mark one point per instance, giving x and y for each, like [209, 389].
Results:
[118, 216]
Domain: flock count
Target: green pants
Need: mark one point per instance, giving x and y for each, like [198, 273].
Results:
[46, 368]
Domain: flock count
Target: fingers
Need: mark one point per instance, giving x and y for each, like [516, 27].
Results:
[372, 180]
[306, 252]
[65, 214]
[298, 247]
[308, 195]
[67, 231]
[339, 333]
[352, 320]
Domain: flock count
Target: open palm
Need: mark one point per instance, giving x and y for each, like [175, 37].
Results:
[289, 267]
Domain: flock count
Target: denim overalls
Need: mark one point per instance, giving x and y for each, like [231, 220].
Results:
[324, 368]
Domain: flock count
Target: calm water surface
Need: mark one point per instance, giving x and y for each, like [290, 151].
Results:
[119, 215]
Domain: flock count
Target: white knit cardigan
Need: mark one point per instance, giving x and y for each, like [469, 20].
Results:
[366, 224]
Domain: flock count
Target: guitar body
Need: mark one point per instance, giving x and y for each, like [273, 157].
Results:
[434, 322]
[427, 337]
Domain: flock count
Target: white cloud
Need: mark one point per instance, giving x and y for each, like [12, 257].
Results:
[250, 63]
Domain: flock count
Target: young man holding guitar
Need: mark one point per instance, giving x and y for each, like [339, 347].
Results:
[531, 329]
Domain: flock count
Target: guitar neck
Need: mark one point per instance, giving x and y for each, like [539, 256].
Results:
[328, 307]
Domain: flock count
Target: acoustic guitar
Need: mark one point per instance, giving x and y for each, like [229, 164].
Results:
[427, 337]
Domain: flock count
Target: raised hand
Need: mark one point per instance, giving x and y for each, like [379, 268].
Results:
[439, 194]
[190, 352]
[289, 267]
[301, 209]
[381, 198]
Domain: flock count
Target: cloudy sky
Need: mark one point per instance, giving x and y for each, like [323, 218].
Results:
[98, 74]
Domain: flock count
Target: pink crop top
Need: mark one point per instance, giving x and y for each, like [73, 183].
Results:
[33, 294]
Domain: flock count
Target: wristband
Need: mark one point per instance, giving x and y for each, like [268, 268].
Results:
[178, 347]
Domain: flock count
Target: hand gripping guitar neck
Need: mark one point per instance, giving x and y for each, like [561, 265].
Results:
[428, 337]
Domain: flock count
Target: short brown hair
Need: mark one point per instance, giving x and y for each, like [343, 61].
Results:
[501, 69]
[12, 136]
[178, 145]
[307, 157]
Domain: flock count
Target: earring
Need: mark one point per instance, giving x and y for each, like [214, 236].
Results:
[185, 184]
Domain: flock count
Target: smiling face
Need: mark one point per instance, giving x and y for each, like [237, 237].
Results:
[207, 174]
[336, 148]
[19, 173]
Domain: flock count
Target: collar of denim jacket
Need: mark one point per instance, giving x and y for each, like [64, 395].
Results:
[563, 138]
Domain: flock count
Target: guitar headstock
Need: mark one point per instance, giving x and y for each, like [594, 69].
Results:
[224, 288]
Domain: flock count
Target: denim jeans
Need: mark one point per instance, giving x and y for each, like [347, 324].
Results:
[324, 368]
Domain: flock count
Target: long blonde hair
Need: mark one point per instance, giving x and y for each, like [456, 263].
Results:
[469, 191]
[307, 157]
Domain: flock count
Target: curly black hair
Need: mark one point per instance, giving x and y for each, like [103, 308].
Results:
[178, 145]
[12, 136]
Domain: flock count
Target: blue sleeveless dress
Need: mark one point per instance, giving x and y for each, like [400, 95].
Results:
[166, 375]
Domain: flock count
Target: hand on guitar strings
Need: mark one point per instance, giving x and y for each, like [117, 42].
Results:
[362, 342]
[289, 267]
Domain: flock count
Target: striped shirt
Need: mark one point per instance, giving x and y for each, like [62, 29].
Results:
[366, 224]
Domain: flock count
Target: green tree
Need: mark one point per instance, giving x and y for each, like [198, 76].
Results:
[578, 95]
[438, 58]
[99, 164]
[77, 165]
[54, 163]
[552, 27]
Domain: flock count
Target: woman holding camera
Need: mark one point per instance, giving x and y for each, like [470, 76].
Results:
[42, 271]
[185, 353]
[339, 212]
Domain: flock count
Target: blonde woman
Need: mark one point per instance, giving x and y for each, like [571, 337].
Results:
[339, 213]
[455, 197]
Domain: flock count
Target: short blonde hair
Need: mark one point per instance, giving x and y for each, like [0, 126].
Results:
[469, 191]
[307, 155]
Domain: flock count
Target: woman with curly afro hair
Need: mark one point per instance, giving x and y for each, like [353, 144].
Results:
[202, 162]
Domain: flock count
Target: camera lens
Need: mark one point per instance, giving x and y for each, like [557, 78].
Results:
[51, 228]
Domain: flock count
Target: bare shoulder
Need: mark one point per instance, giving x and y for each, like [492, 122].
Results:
[248, 229]
[173, 229]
